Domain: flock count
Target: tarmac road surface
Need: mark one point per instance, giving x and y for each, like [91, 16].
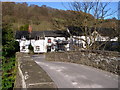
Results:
[70, 75]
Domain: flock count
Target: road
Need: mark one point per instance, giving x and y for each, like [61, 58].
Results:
[70, 75]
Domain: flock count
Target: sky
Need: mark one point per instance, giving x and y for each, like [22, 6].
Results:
[65, 6]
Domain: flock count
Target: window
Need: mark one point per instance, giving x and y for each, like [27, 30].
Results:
[37, 48]
[23, 38]
[23, 48]
[49, 40]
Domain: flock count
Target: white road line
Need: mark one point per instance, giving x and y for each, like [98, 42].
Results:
[74, 83]
[59, 70]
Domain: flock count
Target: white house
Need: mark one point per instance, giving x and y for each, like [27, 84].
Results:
[51, 41]
[42, 41]
[105, 35]
[24, 42]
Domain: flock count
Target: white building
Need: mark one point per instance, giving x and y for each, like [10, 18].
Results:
[42, 41]
[102, 36]
[23, 38]
[51, 41]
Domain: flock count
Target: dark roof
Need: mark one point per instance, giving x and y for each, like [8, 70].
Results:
[20, 34]
[55, 33]
[79, 31]
[35, 34]
[107, 32]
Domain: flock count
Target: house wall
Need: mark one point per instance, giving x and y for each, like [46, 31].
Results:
[53, 41]
[103, 38]
[43, 43]
[114, 39]
[24, 44]
[39, 46]
[81, 40]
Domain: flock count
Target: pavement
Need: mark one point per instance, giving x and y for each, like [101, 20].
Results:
[71, 75]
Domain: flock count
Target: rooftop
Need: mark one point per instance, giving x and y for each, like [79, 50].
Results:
[53, 33]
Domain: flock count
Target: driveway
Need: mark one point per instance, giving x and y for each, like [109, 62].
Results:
[70, 75]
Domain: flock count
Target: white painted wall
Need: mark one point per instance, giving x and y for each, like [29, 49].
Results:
[103, 38]
[24, 43]
[53, 42]
[114, 39]
[43, 43]
[98, 38]
[39, 46]
[82, 39]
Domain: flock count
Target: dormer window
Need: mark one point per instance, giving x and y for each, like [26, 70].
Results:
[37, 38]
[23, 38]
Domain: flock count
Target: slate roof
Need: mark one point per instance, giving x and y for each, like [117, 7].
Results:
[20, 34]
[107, 32]
[54, 33]
[79, 31]
[75, 31]
[35, 34]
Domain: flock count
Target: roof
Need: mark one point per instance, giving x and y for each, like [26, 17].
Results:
[35, 34]
[79, 31]
[107, 32]
[20, 34]
[54, 33]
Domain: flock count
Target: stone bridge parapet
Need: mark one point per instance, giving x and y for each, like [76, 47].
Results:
[30, 74]
[105, 60]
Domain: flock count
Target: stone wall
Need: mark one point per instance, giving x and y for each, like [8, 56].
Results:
[31, 75]
[105, 60]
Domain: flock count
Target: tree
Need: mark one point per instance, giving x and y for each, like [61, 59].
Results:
[24, 27]
[98, 10]
[9, 48]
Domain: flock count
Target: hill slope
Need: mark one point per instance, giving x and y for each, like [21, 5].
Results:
[43, 17]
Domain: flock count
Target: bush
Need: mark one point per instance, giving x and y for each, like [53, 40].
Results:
[10, 47]
[9, 72]
[30, 48]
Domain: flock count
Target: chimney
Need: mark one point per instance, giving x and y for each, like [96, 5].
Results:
[30, 29]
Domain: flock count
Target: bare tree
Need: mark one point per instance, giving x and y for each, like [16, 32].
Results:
[99, 11]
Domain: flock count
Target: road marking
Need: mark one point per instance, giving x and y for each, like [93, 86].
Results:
[31, 84]
[59, 70]
[66, 75]
[52, 68]
[74, 83]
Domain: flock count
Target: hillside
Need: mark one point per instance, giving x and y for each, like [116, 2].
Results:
[44, 18]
